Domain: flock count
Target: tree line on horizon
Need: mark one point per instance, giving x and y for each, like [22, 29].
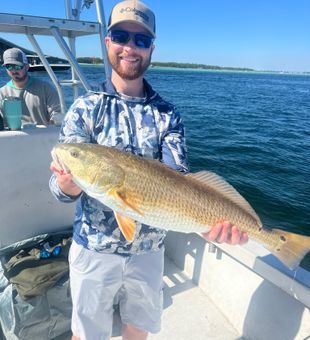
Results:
[96, 60]
[200, 66]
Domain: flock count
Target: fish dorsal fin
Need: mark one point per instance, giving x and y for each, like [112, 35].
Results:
[218, 184]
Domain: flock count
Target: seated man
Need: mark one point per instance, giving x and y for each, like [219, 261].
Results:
[40, 101]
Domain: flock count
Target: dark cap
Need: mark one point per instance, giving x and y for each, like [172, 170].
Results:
[14, 56]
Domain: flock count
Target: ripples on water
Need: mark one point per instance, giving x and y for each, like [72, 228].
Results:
[253, 129]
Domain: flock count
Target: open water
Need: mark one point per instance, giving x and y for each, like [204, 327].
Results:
[251, 128]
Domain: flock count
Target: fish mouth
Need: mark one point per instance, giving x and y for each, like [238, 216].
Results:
[59, 162]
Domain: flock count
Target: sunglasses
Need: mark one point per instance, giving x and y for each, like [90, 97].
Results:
[141, 40]
[11, 67]
[45, 254]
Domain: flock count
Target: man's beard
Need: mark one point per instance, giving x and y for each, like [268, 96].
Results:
[130, 72]
[18, 79]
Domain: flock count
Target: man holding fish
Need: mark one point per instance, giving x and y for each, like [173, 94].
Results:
[114, 258]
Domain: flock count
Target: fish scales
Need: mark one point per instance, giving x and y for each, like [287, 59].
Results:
[189, 205]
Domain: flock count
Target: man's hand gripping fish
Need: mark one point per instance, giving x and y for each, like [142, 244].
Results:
[149, 192]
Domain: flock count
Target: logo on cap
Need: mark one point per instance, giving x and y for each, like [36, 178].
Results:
[136, 11]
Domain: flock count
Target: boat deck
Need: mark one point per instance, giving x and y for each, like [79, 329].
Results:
[188, 312]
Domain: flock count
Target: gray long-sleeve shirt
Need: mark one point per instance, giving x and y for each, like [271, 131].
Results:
[40, 101]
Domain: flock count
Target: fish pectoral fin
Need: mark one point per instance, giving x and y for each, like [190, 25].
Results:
[127, 226]
[124, 200]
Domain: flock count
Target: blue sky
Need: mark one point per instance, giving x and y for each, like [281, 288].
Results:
[259, 34]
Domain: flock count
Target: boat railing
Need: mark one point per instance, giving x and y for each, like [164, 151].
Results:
[71, 28]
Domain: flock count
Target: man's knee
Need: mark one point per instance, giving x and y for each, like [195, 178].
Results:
[131, 332]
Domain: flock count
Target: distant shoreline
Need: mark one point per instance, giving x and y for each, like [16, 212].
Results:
[190, 66]
[199, 66]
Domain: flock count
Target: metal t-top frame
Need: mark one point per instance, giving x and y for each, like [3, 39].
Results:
[70, 27]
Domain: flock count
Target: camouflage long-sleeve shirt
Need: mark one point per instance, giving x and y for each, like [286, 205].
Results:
[149, 127]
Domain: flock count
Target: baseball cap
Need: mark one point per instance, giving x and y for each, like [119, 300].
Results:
[133, 11]
[14, 56]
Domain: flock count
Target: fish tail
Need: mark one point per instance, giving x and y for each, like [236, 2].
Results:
[291, 247]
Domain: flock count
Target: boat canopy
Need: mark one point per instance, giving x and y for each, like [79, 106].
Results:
[71, 28]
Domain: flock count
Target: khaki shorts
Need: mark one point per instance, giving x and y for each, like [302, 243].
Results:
[97, 280]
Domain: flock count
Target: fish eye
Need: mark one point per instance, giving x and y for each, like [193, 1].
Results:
[74, 154]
